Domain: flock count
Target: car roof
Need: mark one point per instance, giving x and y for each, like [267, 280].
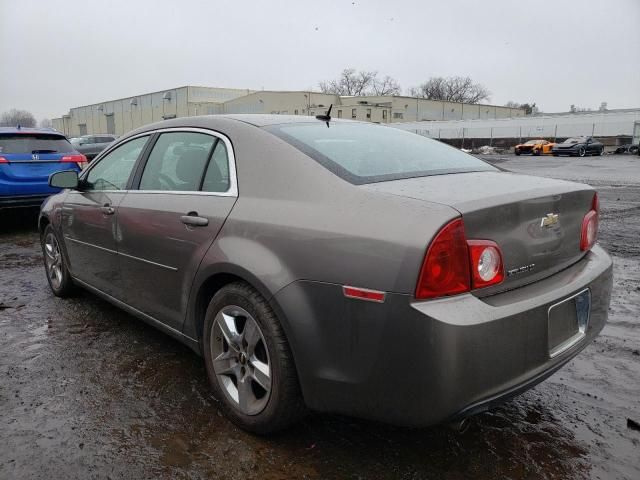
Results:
[50, 131]
[263, 120]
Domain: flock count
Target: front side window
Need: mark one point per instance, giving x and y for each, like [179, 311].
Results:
[113, 170]
[177, 162]
[365, 153]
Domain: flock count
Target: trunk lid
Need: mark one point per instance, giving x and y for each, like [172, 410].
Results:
[509, 209]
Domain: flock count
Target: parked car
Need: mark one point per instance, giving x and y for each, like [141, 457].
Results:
[339, 266]
[534, 147]
[628, 148]
[578, 146]
[27, 157]
[91, 145]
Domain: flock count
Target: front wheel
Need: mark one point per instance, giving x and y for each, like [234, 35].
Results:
[249, 362]
[582, 152]
[601, 151]
[55, 265]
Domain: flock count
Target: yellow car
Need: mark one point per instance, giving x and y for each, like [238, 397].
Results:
[535, 147]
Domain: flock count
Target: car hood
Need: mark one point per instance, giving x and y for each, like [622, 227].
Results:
[567, 145]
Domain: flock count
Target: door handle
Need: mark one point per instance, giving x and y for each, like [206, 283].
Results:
[107, 209]
[194, 220]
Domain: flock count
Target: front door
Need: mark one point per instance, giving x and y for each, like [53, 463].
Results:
[185, 192]
[89, 218]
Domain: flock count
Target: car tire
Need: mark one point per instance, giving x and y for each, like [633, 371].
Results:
[249, 362]
[536, 153]
[601, 153]
[517, 152]
[55, 264]
[582, 152]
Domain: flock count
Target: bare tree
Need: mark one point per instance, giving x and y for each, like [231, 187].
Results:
[354, 83]
[576, 109]
[529, 108]
[15, 117]
[451, 89]
[46, 123]
[386, 86]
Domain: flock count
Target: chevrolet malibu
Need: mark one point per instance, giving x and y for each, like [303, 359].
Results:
[333, 265]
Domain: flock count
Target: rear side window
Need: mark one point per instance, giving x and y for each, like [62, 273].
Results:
[364, 153]
[177, 162]
[34, 143]
[217, 177]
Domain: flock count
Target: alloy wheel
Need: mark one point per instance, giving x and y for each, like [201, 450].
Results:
[241, 359]
[53, 260]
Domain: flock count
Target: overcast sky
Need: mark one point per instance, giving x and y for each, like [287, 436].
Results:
[60, 54]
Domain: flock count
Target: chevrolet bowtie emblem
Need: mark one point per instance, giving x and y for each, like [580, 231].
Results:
[549, 220]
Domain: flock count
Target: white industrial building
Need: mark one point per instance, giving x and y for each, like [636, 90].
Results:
[613, 127]
[124, 114]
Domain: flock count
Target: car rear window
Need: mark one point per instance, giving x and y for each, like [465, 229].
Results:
[34, 143]
[366, 153]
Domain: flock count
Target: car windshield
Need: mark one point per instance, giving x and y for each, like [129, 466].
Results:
[533, 142]
[364, 153]
[34, 143]
[574, 140]
[75, 141]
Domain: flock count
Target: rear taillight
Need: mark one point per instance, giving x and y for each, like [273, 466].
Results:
[456, 265]
[445, 270]
[80, 159]
[3, 160]
[589, 231]
[486, 263]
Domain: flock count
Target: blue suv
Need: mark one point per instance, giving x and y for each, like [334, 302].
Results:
[27, 157]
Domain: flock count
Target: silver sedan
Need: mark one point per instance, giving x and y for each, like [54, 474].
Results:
[334, 265]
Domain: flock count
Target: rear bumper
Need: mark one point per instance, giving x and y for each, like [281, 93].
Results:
[20, 201]
[419, 363]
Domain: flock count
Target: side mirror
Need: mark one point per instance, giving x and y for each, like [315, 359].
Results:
[64, 179]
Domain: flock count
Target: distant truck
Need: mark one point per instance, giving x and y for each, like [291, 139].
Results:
[91, 145]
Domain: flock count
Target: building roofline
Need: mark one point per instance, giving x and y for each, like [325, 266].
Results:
[159, 91]
[430, 100]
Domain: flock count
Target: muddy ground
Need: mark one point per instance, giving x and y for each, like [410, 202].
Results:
[87, 391]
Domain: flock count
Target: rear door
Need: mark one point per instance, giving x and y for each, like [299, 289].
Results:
[89, 217]
[27, 159]
[186, 189]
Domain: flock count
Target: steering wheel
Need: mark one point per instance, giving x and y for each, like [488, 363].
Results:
[166, 179]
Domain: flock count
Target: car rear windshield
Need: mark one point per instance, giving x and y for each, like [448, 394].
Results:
[365, 153]
[34, 143]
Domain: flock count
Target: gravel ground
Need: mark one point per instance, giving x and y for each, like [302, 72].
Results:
[87, 391]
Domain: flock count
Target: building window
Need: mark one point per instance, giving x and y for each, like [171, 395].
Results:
[339, 113]
[384, 114]
[295, 112]
[368, 114]
[398, 115]
[312, 113]
[353, 113]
